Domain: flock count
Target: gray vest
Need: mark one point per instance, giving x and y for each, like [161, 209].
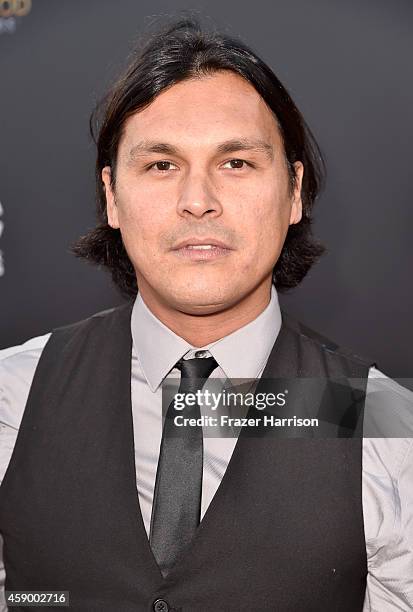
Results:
[283, 532]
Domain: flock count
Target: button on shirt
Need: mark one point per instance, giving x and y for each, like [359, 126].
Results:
[387, 475]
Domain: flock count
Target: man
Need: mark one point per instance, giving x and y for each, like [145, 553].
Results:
[206, 176]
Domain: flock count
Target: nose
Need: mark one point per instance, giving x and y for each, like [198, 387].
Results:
[198, 197]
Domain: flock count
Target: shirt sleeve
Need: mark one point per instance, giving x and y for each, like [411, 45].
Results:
[17, 367]
[388, 503]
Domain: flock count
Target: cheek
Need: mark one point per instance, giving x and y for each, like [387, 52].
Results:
[141, 219]
[263, 219]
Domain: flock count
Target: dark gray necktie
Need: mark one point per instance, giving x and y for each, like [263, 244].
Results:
[177, 497]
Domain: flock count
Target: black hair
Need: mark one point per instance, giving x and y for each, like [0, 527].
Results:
[180, 51]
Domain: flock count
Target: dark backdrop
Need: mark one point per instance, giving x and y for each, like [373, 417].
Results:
[348, 67]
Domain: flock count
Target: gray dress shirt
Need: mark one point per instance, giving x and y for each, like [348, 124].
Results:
[387, 476]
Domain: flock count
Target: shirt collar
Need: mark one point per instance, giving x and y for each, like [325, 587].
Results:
[241, 354]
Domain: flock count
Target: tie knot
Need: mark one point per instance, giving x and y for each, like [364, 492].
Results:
[200, 367]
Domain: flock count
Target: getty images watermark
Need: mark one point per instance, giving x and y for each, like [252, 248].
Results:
[212, 401]
[223, 409]
[295, 407]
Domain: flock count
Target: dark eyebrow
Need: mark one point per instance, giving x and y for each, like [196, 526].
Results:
[229, 146]
[247, 144]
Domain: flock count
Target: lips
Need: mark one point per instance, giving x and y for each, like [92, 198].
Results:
[199, 244]
[200, 247]
[201, 250]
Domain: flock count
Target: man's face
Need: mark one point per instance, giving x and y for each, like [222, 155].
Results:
[202, 195]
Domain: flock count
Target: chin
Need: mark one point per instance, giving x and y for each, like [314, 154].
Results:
[204, 300]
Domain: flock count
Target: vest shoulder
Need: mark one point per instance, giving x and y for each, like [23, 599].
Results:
[103, 317]
[113, 316]
[322, 342]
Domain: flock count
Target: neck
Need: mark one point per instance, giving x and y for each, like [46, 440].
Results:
[202, 329]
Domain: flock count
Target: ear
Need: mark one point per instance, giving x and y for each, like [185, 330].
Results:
[296, 204]
[111, 206]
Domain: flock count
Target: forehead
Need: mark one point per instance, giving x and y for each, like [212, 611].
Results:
[204, 111]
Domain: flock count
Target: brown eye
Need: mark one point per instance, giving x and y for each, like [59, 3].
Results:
[235, 164]
[162, 166]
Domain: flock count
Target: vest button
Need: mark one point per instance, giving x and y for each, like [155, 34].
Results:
[160, 605]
